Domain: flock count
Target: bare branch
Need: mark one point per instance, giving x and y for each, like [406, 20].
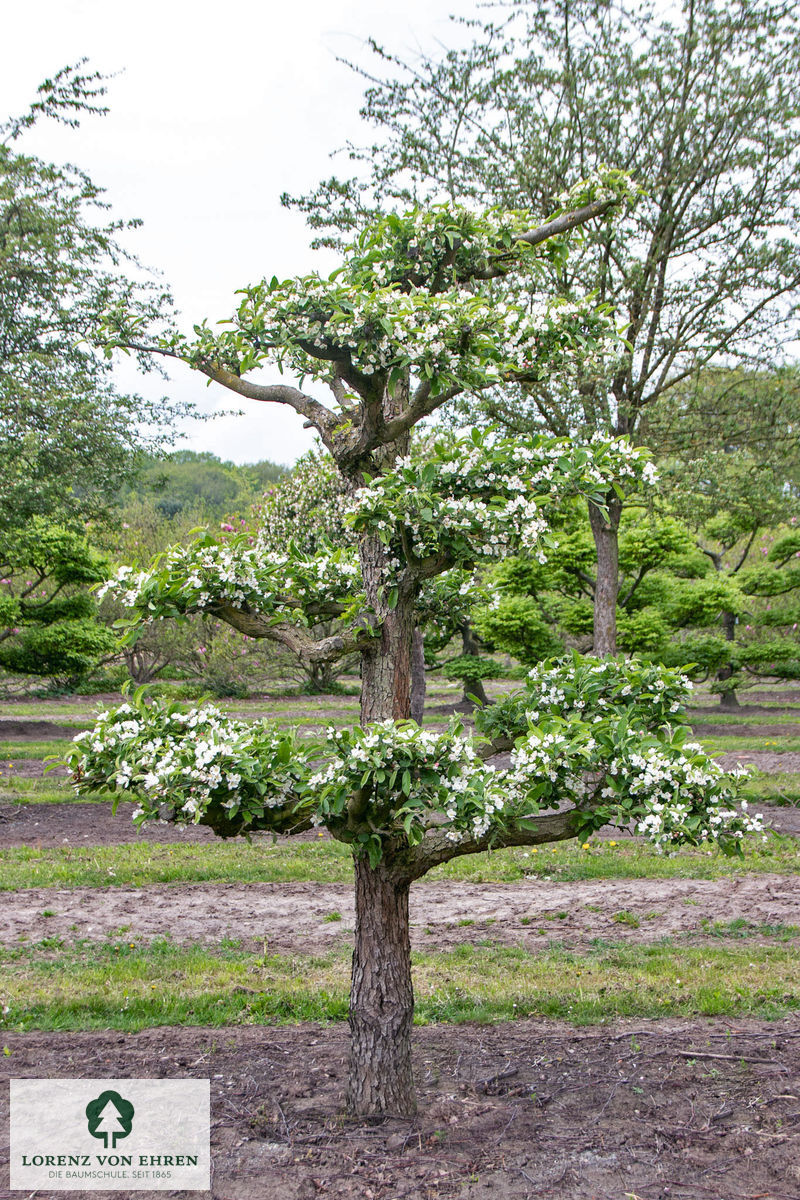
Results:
[746, 551]
[277, 393]
[559, 225]
[296, 638]
[436, 847]
[623, 600]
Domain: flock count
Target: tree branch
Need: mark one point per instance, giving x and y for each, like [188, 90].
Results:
[297, 639]
[277, 393]
[746, 551]
[496, 746]
[623, 600]
[567, 221]
[422, 404]
[436, 847]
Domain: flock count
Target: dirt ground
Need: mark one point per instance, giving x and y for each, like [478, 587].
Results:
[49, 825]
[291, 917]
[515, 1111]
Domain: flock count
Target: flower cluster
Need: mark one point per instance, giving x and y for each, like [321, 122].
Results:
[436, 245]
[486, 496]
[647, 695]
[609, 737]
[208, 574]
[615, 773]
[306, 508]
[616, 762]
[408, 780]
[457, 338]
[446, 601]
[193, 767]
[679, 794]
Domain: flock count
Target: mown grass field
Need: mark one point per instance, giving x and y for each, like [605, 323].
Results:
[126, 986]
[143, 863]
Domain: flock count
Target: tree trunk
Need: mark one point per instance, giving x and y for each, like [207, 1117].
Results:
[605, 528]
[728, 699]
[141, 668]
[386, 667]
[418, 682]
[472, 687]
[381, 996]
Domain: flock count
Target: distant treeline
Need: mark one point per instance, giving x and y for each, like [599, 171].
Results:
[199, 482]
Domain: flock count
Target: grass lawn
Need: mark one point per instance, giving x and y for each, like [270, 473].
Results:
[722, 744]
[128, 986]
[48, 789]
[780, 788]
[325, 861]
[780, 716]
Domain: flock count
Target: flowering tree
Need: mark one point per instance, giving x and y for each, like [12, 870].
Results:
[409, 322]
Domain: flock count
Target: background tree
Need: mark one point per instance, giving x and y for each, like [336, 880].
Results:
[49, 624]
[699, 104]
[538, 607]
[199, 483]
[67, 434]
[407, 323]
[735, 505]
[307, 509]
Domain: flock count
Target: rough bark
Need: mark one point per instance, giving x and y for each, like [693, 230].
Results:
[381, 996]
[605, 529]
[295, 638]
[436, 847]
[386, 663]
[418, 681]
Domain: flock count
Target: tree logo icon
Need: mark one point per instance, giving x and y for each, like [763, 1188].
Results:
[109, 1116]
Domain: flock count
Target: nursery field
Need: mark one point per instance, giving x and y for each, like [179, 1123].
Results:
[592, 1020]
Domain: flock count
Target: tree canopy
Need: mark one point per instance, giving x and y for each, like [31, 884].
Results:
[698, 104]
[67, 433]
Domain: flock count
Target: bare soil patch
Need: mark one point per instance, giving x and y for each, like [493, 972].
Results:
[81, 824]
[290, 917]
[771, 762]
[50, 825]
[517, 1111]
[745, 731]
[27, 730]
[31, 768]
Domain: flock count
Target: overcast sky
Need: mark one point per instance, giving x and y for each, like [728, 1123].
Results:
[217, 109]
